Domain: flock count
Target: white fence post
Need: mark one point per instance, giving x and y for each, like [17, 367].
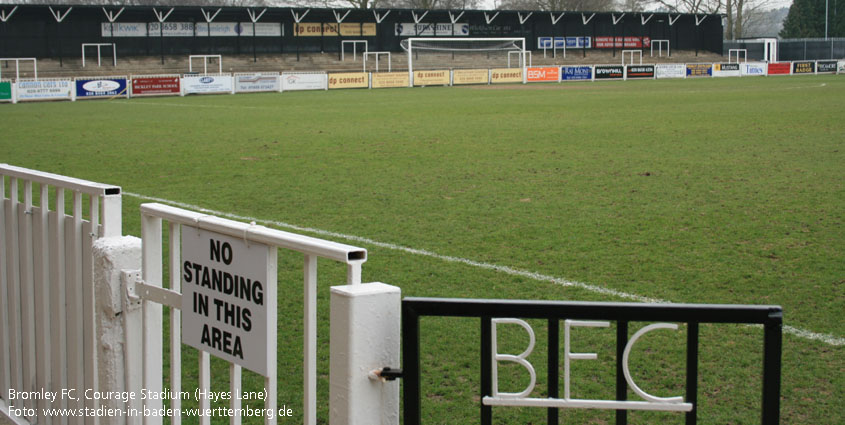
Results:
[111, 256]
[365, 322]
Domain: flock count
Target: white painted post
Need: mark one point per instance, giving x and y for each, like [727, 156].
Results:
[111, 256]
[365, 321]
[152, 313]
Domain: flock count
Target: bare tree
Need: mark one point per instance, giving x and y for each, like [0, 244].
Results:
[561, 5]
[691, 6]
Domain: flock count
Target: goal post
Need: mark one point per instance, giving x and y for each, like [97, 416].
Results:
[440, 52]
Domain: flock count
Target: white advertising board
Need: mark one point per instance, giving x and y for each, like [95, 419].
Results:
[124, 29]
[670, 70]
[431, 29]
[841, 68]
[44, 89]
[726, 70]
[224, 297]
[257, 82]
[753, 68]
[304, 81]
[194, 84]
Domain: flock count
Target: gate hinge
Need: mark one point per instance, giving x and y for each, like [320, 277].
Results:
[136, 291]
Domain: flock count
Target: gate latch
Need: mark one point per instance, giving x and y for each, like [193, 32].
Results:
[386, 374]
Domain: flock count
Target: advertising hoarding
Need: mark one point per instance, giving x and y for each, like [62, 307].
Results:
[304, 81]
[349, 80]
[670, 70]
[609, 72]
[543, 74]
[199, 84]
[470, 76]
[639, 71]
[431, 78]
[382, 80]
[44, 89]
[101, 87]
[804, 67]
[576, 73]
[782, 68]
[699, 70]
[726, 70]
[506, 75]
[155, 84]
[257, 82]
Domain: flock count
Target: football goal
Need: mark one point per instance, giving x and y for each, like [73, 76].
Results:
[441, 53]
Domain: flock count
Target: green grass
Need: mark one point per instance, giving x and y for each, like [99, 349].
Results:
[704, 191]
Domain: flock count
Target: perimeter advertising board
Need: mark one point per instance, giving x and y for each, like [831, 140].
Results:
[506, 75]
[781, 68]
[258, 82]
[383, 80]
[431, 78]
[470, 76]
[101, 87]
[622, 42]
[304, 81]
[670, 70]
[753, 69]
[199, 84]
[639, 71]
[826, 67]
[609, 72]
[560, 42]
[227, 297]
[5, 90]
[156, 84]
[349, 80]
[543, 74]
[840, 68]
[699, 70]
[804, 67]
[576, 73]
[431, 29]
[329, 29]
[44, 89]
[726, 70]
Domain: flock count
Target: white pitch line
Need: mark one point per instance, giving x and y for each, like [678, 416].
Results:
[801, 333]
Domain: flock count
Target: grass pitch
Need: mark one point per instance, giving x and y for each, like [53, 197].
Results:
[700, 191]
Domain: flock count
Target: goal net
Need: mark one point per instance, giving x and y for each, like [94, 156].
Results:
[462, 53]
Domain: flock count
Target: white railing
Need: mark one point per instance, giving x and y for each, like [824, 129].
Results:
[47, 298]
[148, 290]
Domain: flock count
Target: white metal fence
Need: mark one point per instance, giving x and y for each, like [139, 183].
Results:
[149, 290]
[47, 318]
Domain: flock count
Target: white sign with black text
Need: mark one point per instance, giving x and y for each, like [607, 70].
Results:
[225, 297]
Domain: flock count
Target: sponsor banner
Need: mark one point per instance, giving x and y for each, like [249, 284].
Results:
[545, 42]
[44, 89]
[100, 87]
[826, 67]
[577, 42]
[506, 75]
[840, 69]
[382, 80]
[470, 76]
[699, 70]
[726, 70]
[543, 74]
[670, 70]
[329, 29]
[431, 29]
[639, 71]
[304, 81]
[168, 84]
[576, 73]
[123, 29]
[804, 67]
[5, 90]
[349, 80]
[171, 29]
[560, 42]
[195, 84]
[753, 68]
[431, 78]
[619, 42]
[258, 82]
[189, 29]
[781, 68]
[609, 72]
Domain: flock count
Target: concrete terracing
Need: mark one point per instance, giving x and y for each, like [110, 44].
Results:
[72, 67]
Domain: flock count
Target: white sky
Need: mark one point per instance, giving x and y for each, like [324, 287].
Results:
[772, 4]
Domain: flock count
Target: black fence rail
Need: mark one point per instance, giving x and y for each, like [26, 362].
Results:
[771, 317]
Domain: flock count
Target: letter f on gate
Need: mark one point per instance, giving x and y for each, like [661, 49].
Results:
[511, 358]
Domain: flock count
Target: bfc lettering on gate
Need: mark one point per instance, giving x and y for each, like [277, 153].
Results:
[498, 398]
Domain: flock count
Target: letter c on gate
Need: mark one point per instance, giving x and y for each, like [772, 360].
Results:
[627, 371]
